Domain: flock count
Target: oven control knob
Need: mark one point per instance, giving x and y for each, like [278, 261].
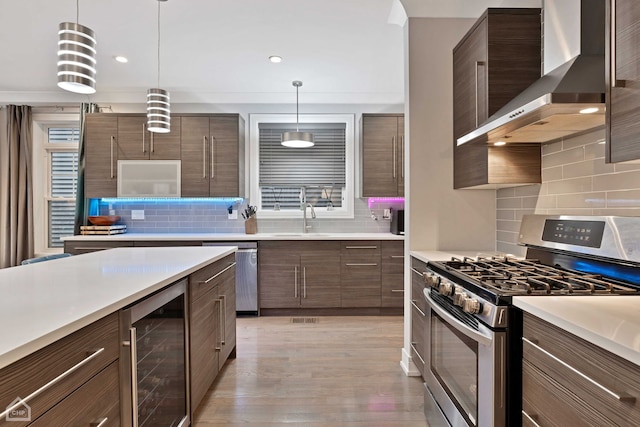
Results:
[459, 296]
[431, 279]
[472, 306]
[446, 288]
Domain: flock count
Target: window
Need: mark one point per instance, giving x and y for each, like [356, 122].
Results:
[55, 181]
[323, 170]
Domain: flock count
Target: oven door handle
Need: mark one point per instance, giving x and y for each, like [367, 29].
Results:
[483, 336]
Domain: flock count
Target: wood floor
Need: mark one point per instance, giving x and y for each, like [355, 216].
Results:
[327, 371]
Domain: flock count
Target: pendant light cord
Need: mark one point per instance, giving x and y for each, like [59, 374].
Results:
[77, 11]
[297, 121]
[158, 44]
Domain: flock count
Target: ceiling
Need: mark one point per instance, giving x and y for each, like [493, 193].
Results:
[344, 51]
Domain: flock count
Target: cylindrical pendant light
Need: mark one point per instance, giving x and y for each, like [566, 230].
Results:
[297, 139]
[158, 105]
[76, 57]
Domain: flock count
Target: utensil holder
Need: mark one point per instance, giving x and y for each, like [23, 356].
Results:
[251, 225]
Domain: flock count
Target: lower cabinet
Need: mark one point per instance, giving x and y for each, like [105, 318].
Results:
[212, 326]
[392, 261]
[360, 274]
[418, 316]
[299, 274]
[75, 247]
[569, 381]
[86, 391]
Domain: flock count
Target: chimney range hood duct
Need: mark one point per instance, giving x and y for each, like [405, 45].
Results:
[551, 107]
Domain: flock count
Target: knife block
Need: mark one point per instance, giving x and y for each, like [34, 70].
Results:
[251, 225]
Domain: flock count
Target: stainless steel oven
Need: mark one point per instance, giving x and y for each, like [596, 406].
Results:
[473, 337]
[154, 362]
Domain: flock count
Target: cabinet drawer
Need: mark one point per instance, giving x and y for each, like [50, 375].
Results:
[392, 257]
[88, 350]
[205, 279]
[417, 287]
[96, 402]
[418, 322]
[360, 247]
[77, 248]
[559, 354]
[360, 297]
[392, 290]
[360, 270]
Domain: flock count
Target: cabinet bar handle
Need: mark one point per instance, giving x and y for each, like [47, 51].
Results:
[213, 157]
[216, 275]
[478, 64]
[530, 418]
[143, 132]
[53, 382]
[204, 156]
[112, 141]
[402, 157]
[397, 256]
[361, 247]
[614, 56]
[417, 354]
[100, 423]
[153, 138]
[618, 396]
[295, 281]
[354, 264]
[219, 304]
[393, 148]
[413, 303]
[397, 290]
[133, 352]
[304, 282]
[223, 317]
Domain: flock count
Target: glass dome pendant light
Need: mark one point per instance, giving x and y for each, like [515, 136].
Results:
[158, 106]
[297, 139]
[76, 56]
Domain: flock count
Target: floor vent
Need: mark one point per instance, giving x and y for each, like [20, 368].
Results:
[305, 320]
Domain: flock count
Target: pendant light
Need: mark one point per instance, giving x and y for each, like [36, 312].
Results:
[76, 56]
[297, 139]
[158, 107]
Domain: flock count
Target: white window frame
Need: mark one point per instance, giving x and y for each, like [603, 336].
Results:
[42, 174]
[255, 196]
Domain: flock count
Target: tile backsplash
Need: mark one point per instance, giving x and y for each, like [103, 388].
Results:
[210, 216]
[575, 181]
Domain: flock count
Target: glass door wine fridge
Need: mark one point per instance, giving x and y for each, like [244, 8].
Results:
[154, 361]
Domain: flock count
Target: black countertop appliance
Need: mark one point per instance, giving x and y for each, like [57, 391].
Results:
[397, 221]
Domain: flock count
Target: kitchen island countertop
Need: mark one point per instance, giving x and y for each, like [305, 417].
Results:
[211, 237]
[46, 301]
[610, 322]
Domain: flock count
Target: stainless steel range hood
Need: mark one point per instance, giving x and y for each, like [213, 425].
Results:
[551, 107]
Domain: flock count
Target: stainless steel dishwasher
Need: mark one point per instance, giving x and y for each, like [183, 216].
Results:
[246, 275]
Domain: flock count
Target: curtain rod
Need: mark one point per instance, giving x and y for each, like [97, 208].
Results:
[62, 108]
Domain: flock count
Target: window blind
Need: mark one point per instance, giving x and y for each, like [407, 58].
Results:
[321, 168]
[62, 188]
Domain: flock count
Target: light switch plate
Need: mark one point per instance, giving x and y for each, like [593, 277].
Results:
[233, 214]
[386, 214]
[137, 214]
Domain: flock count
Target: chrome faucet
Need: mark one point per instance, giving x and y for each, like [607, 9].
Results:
[305, 205]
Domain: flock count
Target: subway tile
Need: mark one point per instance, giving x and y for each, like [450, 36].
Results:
[556, 147]
[574, 185]
[631, 211]
[564, 157]
[626, 199]
[552, 174]
[594, 151]
[522, 212]
[513, 226]
[509, 203]
[582, 200]
[527, 190]
[617, 181]
[546, 202]
[507, 236]
[570, 211]
[586, 168]
[529, 202]
[623, 167]
[580, 140]
[506, 214]
[511, 248]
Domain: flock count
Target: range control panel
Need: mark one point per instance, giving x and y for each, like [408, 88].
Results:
[574, 232]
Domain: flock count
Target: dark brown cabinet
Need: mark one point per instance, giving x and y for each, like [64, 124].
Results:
[569, 381]
[623, 80]
[212, 153]
[392, 286]
[383, 161]
[360, 274]
[135, 142]
[498, 58]
[299, 274]
[418, 314]
[212, 326]
[101, 154]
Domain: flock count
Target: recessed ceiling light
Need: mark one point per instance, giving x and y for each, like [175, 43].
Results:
[121, 59]
[275, 59]
[589, 110]
[499, 143]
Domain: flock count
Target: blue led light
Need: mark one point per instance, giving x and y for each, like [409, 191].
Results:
[608, 271]
[221, 200]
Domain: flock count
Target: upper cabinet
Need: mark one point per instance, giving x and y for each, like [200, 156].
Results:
[623, 80]
[497, 59]
[210, 147]
[382, 155]
[212, 153]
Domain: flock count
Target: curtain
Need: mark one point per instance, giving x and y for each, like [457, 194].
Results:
[82, 203]
[16, 186]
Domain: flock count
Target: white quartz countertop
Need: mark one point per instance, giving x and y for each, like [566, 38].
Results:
[210, 237]
[432, 255]
[611, 322]
[43, 302]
